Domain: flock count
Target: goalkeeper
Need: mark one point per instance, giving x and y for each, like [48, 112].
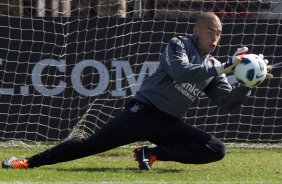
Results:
[155, 113]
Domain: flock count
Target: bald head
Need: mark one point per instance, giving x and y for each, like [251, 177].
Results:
[207, 18]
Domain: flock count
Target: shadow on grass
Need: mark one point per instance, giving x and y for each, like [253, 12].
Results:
[116, 170]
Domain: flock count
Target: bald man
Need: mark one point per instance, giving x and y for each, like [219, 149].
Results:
[156, 112]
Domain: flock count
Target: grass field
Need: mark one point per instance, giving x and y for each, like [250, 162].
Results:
[118, 166]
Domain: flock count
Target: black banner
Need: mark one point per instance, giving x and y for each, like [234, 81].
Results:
[53, 70]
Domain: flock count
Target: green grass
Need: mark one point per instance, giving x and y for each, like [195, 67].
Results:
[118, 166]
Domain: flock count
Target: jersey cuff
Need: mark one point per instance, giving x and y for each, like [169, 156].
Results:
[212, 72]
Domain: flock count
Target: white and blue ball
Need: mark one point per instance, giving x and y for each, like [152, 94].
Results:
[251, 71]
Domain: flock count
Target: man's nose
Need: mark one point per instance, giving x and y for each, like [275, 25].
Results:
[214, 37]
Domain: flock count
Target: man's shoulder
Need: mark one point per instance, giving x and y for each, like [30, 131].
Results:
[187, 38]
[183, 41]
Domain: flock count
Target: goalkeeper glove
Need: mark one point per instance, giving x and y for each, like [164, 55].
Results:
[229, 65]
[269, 67]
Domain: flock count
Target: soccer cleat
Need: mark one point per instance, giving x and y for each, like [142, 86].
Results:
[144, 158]
[15, 163]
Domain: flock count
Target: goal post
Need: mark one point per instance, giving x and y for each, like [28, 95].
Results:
[67, 75]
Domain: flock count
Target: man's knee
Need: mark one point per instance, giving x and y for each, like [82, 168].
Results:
[217, 149]
[220, 151]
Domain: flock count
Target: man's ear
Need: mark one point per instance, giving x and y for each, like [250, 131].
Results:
[196, 31]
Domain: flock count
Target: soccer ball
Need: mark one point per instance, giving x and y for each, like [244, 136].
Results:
[251, 71]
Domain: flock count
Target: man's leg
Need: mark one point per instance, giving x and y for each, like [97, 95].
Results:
[177, 141]
[135, 123]
[116, 133]
[187, 144]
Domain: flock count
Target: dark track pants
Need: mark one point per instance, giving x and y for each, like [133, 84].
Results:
[175, 140]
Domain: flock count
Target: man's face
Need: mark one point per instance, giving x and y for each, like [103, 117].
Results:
[208, 35]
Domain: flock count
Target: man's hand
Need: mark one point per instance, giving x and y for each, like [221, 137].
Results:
[229, 65]
[269, 67]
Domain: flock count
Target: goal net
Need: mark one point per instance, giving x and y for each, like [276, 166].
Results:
[67, 67]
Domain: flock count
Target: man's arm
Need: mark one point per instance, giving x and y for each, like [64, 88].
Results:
[226, 97]
[177, 64]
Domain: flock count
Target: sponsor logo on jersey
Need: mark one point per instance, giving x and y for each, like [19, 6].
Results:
[189, 90]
